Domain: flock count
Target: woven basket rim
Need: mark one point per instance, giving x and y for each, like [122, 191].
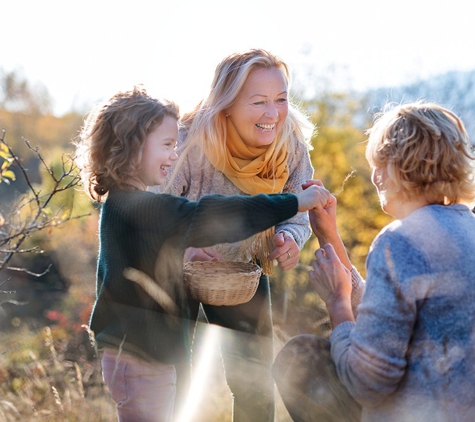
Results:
[222, 282]
[233, 265]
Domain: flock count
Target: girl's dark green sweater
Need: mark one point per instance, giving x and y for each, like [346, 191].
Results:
[150, 233]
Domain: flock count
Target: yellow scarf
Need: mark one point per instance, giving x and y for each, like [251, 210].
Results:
[253, 170]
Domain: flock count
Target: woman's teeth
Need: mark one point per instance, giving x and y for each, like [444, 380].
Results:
[265, 127]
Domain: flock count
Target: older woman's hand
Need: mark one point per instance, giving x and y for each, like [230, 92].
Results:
[332, 281]
[286, 252]
[324, 227]
[323, 220]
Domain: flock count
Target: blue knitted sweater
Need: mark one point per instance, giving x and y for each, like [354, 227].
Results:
[410, 355]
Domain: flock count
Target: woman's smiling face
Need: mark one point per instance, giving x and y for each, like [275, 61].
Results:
[261, 107]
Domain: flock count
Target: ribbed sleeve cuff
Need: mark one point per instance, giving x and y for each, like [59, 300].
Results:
[358, 286]
[342, 330]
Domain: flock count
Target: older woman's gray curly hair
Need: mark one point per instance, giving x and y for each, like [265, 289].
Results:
[426, 151]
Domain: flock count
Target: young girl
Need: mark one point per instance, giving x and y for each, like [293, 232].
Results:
[140, 318]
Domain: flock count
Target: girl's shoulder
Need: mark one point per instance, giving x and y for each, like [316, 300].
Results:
[142, 201]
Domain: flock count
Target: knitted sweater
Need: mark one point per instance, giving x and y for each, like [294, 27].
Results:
[198, 177]
[149, 233]
[410, 356]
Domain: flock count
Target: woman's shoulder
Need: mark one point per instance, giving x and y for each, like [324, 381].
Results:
[298, 144]
[299, 161]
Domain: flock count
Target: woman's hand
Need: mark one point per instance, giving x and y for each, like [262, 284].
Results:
[324, 227]
[201, 254]
[286, 251]
[322, 220]
[332, 281]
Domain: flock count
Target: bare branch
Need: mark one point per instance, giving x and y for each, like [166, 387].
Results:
[13, 302]
[31, 213]
[29, 250]
[24, 270]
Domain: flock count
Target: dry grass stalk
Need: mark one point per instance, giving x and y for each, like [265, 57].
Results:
[152, 288]
[340, 189]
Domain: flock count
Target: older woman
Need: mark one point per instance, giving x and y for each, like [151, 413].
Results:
[410, 353]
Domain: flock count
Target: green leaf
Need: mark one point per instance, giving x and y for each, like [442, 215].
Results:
[9, 174]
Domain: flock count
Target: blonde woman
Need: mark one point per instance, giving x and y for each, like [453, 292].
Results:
[246, 137]
[410, 353]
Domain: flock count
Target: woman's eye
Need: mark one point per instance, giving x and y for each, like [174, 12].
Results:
[258, 103]
[282, 100]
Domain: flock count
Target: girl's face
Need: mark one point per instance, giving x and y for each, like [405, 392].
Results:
[261, 107]
[159, 152]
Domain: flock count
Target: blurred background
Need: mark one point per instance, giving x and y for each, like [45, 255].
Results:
[58, 58]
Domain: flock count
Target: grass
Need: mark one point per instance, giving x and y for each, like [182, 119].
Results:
[52, 373]
[40, 382]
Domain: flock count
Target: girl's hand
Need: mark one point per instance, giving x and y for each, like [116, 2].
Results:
[286, 251]
[201, 254]
[314, 196]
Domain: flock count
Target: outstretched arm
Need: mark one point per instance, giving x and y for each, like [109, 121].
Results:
[323, 223]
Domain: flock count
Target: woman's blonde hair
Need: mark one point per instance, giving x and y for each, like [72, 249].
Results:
[109, 146]
[426, 151]
[206, 124]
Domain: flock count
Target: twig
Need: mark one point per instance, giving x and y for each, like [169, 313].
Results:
[24, 270]
[29, 214]
[348, 176]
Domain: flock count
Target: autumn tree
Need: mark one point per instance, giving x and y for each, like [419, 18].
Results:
[37, 188]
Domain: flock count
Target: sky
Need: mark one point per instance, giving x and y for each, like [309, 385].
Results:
[85, 51]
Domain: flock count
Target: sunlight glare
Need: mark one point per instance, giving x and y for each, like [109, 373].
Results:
[210, 344]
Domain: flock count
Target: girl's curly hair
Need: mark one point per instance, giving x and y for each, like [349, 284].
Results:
[108, 148]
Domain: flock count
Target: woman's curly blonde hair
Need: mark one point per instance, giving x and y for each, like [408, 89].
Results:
[109, 146]
[426, 151]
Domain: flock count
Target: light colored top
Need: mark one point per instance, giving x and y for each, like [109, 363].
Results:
[410, 355]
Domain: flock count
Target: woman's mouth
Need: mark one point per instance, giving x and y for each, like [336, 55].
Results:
[266, 128]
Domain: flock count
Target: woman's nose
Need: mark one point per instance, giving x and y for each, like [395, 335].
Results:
[271, 110]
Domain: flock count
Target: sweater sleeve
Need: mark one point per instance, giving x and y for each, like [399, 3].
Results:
[370, 354]
[224, 219]
[358, 286]
[301, 170]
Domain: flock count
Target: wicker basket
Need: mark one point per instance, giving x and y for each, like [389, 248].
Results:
[222, 283]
